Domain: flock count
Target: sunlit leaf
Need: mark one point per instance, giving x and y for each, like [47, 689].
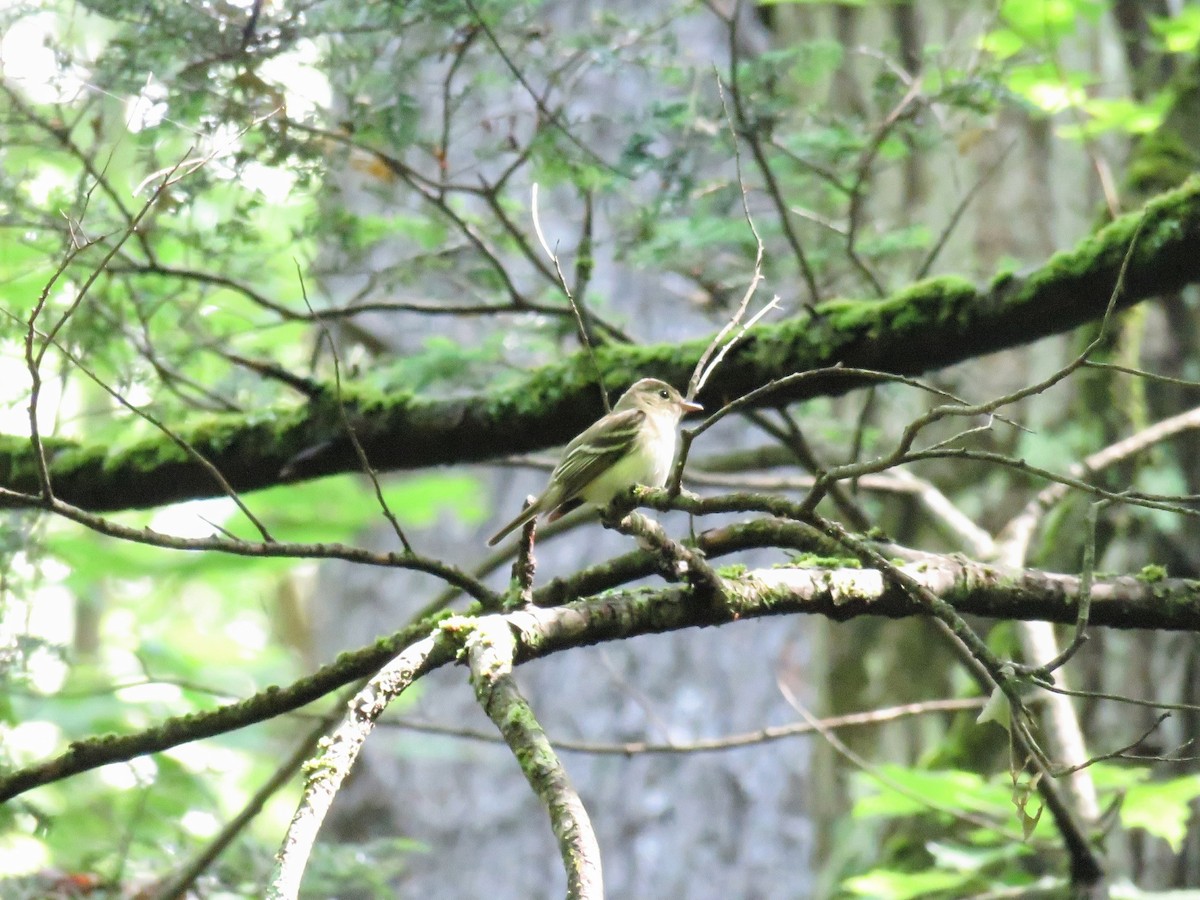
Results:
[1162, 808]
[998, 710]
[889, 884]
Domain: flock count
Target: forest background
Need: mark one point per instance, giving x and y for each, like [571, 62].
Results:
[298, 297]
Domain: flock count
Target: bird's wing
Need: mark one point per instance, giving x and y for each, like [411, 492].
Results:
[596, 450]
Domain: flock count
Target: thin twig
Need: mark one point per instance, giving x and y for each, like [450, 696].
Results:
[552, 115]
[584, 335]
[176, 439]
[1087, 574]
[842, 749]
[363, 461]
[717, 349]
[767, 735]
[952, 223]
[749, 131]
[1114, 754]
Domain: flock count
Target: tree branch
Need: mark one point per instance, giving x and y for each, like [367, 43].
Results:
[837, 593]
[490, 649]
[928, 326]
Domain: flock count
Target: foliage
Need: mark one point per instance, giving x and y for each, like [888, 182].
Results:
[945, 856]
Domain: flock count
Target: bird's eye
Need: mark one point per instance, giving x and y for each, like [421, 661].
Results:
[663, 393]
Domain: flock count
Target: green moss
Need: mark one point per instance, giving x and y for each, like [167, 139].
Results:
[317, 766]
[751, 593]
[1002, 280]
[1163, 159]
[145, 456]
[103, 468]
[813, 561]
[737, 570]
[935, 300]
[520, 716]
[1152, 573]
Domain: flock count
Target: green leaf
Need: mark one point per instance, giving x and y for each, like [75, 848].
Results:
[1003, 43]
[1023, 791]
[960, 858]
[1048, 88]
[947, 788]
[1180, 33]
[1162, 808]
[889, 884]
[1045, 22]
[1119, 114]
[997, 710]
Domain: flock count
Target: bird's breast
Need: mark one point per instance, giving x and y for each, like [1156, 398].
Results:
[648, 463]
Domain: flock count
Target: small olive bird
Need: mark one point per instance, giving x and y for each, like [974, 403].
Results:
[633, 444]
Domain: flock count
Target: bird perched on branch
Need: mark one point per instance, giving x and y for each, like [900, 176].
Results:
[633, 444]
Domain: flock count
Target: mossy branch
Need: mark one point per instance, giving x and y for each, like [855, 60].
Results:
[1149, 601]
[929, 325]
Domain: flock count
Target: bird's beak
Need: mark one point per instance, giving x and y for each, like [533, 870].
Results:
[689, 406]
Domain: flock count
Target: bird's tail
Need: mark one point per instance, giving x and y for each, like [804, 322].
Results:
[524, 516]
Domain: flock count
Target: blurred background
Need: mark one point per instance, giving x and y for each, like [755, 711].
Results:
[358, 193]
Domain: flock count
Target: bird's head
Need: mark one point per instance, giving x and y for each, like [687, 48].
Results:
[655, 397]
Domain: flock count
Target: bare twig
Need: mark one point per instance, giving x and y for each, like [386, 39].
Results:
[584, 334]
[283, 550]
[856, 760]
[749, 131]
[1020, 529]
[952, 223]
[863, 173]
[719, 346]
[791, 437]
[767, 735]
[1114, 754]
[363, 461]
[1087, 574]
[176, 439]
[552, 115]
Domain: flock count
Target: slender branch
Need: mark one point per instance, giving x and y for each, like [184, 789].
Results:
[719, 347]
[238, 547]
[1046, 669]
[584, 334]
[767, 735]
[1115, 754]
[793, 438]
[491, 651]
[339, 751]
[863, 174]
[170, 434]
[862, 764]
[552, 115]
[1019, 530]
[179, 883]
[749, 132]
[367, 468]
[935, 251]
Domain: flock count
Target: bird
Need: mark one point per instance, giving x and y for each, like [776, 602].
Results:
[633, 444]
